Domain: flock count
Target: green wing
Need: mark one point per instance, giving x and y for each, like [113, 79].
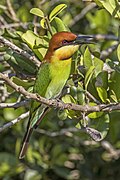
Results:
[42, 82]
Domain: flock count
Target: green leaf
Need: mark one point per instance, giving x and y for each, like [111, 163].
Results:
[113, 96]
[56, 11]
[114, 84]
[58, 24]
[22, 83]
[118, 52]
[37, 12]
[95, 115]
[98, 65]
[42, 23]
[78, 126]
[112, 6]
[78, 93]
[62, 114]
[9, 34]
[102, 80]
[101, 124]
[69, 99]
[25, 64]
[102, 94]
[80, 96]
[32, 39]
[88, 76]
[87, 59]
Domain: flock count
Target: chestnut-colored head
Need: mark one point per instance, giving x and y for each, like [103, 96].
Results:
[61, 39]
[59, 46]
[64, 44]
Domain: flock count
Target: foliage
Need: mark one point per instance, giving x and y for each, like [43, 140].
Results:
[55, 152]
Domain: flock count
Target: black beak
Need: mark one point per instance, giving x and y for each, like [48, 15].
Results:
[84, 39]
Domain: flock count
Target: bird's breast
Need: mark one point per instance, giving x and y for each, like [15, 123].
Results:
[59, 72]
[66, 52]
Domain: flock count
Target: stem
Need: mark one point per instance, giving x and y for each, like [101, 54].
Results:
[48, 25]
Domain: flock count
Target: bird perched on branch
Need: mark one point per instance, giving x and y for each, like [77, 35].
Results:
[52, 76]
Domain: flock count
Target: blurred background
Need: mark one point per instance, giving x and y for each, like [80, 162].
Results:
[56, 152]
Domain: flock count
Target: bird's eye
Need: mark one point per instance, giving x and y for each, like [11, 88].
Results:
[64, 42]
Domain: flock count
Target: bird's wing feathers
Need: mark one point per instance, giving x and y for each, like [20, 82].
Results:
[42, 82]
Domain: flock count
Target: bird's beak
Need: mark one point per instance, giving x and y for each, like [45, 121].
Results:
[84, 39]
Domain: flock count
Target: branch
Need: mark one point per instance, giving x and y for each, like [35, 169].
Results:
[82, 13]
[105, 37]
[59, 104]
[64, 131]
[14, 105]
[69, 131]
[11, 11]
[19, 50]
[8, 125]
[111, 151]
[3, 7]
[105, 53]
[23, 25]
[48, 25]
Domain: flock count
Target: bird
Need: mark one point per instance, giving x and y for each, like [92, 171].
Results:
[52, 76]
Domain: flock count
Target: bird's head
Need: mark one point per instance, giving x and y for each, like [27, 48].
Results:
[65, 44]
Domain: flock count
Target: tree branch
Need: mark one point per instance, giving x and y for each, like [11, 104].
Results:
[14, 105]
[8, 125]
[59, 104]
[18, 24]
[82, 13]
[105, 53]
[105, 37]
[19, 50]
[64, 131]
[11, 11]
[111, 151]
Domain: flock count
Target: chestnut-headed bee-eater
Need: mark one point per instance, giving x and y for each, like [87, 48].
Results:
[52, 76]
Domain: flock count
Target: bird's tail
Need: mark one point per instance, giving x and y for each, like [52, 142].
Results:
[25, 143]
[29, 132]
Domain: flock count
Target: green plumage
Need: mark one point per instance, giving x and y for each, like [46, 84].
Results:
[51, 78]
[49, 83]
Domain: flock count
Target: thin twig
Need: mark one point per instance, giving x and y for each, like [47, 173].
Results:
[112, 152]
[3, 21]
[14, 105]
[92, 97]
[14, 25]
[8, 125]
[59, 104]
[11, 11]
[105, 53]
[64, 131]
[42, 2]
[82, 13]
[48, 25]
[103, 37]
[3, 7]
[19, 50]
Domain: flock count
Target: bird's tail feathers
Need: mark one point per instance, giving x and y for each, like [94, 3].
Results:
[41, 117]
[29, 132]
[25, 143]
